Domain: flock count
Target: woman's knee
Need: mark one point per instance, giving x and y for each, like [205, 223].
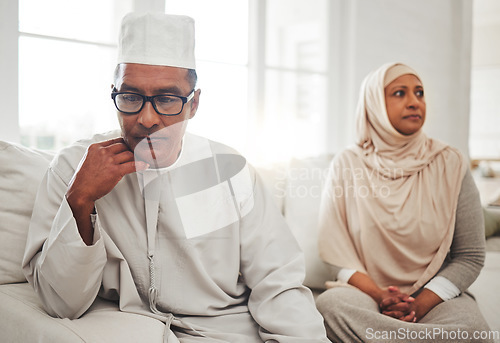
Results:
[337, 298]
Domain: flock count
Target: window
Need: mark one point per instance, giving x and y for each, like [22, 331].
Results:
[222, 68]
[484, 141]
[296, 68]
[265, 97]
[67, 53]
[276, 75]
[484, 137]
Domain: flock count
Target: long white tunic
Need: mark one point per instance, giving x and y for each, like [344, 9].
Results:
[198, 245]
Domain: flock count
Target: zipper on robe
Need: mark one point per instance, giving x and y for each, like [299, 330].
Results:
[152, 211]
[152, 208]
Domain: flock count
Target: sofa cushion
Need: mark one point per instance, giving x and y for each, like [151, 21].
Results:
[273, 177]
[485, 289]
[21, 170]
[491, 220]
[22, 319]
[305, 179]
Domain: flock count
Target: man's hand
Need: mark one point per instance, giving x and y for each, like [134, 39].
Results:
[102, 167]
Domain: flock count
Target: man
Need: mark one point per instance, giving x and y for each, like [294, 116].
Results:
[171, 225]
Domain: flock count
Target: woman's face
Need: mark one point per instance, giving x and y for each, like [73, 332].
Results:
[405, 103]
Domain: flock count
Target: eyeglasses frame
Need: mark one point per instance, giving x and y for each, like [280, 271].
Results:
[145, 98]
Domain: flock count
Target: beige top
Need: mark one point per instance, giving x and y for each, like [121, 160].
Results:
[389, 207]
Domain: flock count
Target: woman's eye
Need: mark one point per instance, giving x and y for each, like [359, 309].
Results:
[420, 93]
[399, 93]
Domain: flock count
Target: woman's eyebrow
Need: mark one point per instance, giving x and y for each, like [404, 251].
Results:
[397, 86]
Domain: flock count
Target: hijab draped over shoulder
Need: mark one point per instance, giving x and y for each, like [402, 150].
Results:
[389, 204]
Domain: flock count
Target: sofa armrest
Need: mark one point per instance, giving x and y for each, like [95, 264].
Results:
[22, 319]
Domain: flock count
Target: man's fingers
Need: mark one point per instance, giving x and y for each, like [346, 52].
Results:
[111, 141]
[112, 146]
[117, 148]
[130, 167]
[123, 157]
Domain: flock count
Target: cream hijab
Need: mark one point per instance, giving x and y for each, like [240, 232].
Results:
[389, 210]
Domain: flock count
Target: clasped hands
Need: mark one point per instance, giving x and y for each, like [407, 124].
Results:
[398, 305]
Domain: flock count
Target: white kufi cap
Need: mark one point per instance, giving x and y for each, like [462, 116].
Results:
[157, 39]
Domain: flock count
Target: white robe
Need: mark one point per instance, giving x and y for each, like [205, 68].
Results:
[224, 264]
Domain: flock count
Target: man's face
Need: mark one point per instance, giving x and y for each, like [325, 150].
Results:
[155, 138]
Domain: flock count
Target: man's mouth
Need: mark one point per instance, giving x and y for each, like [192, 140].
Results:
[150, 138]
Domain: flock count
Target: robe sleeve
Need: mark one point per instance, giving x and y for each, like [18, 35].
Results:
[65, 273]
[273, 267]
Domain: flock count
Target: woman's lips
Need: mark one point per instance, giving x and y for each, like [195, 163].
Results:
[413, 116]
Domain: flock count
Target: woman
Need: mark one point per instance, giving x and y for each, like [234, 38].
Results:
[400, 225]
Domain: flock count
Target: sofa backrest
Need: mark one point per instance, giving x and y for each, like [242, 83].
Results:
[296, 187]
[21, 170]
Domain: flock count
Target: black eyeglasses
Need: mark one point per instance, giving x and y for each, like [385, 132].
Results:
[167, 105]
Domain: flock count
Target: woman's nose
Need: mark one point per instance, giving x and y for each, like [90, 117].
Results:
[413, 101]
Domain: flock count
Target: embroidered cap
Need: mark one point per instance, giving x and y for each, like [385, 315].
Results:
[157, 39]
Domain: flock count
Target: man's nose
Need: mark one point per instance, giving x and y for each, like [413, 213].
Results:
[148, 116]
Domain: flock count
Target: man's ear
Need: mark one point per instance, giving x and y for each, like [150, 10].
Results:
[194, 103]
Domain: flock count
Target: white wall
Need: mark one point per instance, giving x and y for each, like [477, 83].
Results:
[486, 33]
[8, 75]
[434, 37]
[486, 54]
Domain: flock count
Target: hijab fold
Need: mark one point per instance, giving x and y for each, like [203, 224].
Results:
[390, 208]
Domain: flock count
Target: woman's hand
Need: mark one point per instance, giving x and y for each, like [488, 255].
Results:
[391, 301]
[397, 305]
[424, 302]
[406, 308]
